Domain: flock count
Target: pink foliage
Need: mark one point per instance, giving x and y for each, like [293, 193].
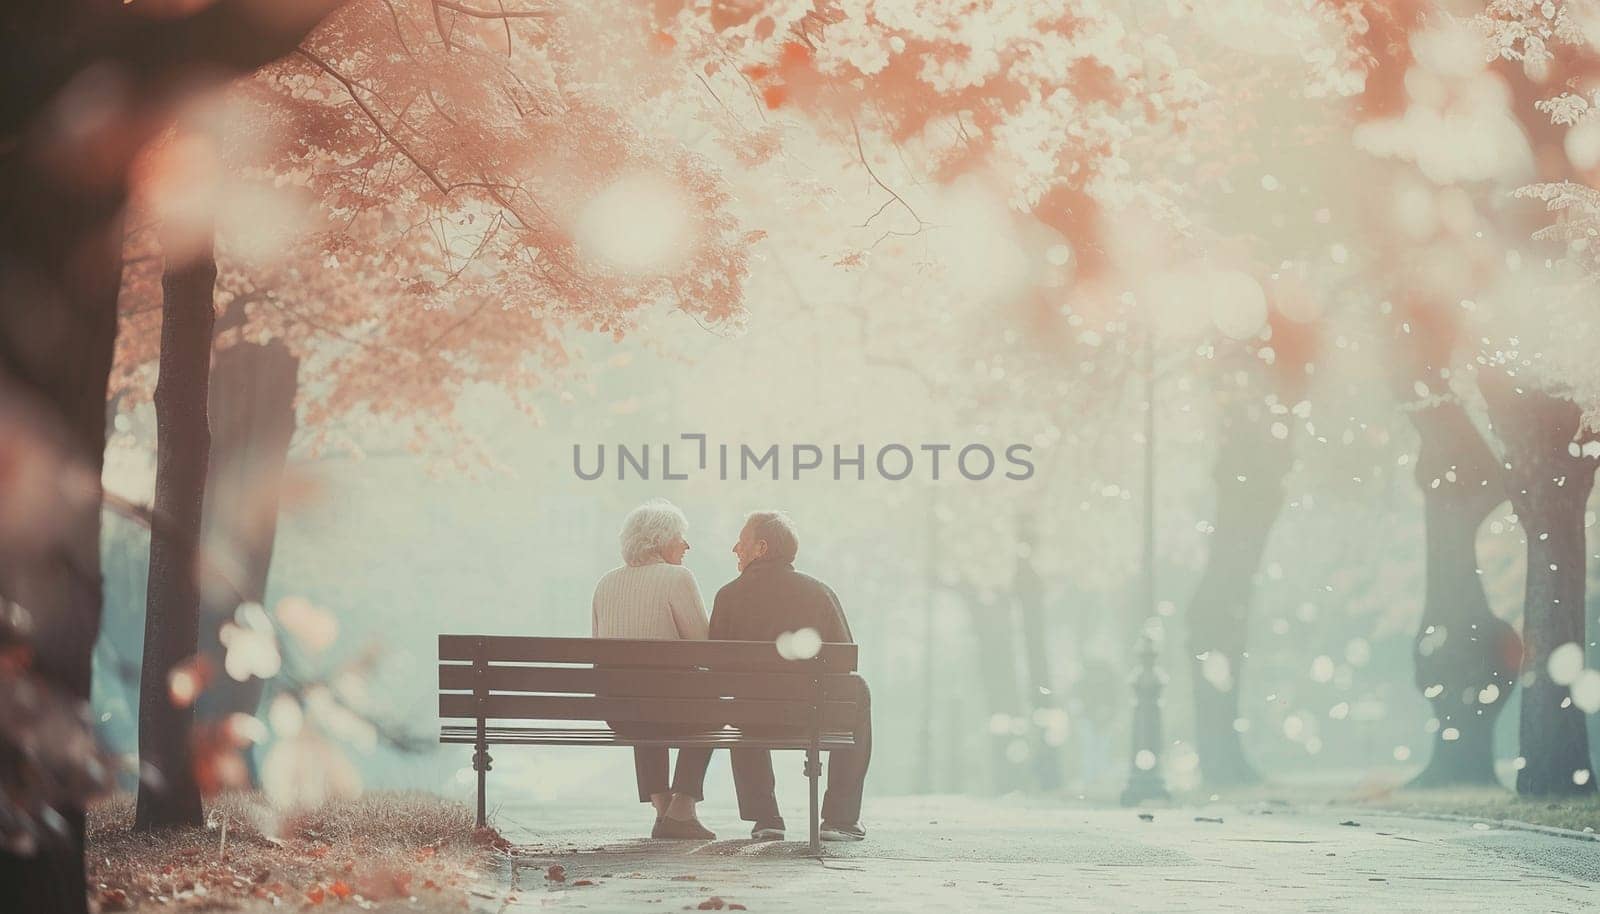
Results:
[437, 160]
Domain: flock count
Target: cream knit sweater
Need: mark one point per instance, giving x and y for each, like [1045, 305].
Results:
[654, 600]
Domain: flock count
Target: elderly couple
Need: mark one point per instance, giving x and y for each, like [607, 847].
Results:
[654, 596]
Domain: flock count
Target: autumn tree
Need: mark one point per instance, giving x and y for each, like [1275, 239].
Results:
[1468, 679]
[1547, 58]
[1539, 55]
[1511, 78]
[1040, 112]
[1258, 402]
[167, 791]
[115, 68]
[456, 174]
[1550, 480]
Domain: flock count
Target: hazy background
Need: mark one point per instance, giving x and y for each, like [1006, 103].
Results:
[402, 547]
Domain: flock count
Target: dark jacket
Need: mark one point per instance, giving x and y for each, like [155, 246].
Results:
[770, 598]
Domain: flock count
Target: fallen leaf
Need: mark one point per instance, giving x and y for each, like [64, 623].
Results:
[713, 903]
[584, 882]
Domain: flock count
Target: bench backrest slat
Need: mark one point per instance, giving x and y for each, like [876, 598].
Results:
[628, 652]
[700, 711]
[458, 677]
[695, 683]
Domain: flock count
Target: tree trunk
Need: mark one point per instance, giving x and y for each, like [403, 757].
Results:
[60, 269]
[168, 794]
[1028, 591]
[1251, 465]
[1549, 488]
[1592, 611]
[252, 413]
[60, 273]
[992, 636]
[1466, 659]
[930, 587]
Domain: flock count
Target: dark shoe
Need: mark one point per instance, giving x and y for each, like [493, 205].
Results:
[668, 827]
[835, 832]
[768, 831]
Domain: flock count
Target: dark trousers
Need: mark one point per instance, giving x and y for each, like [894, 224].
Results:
[847, 777]
[689, 779]
[650, 764]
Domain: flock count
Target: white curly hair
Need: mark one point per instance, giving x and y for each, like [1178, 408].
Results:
[650, 527]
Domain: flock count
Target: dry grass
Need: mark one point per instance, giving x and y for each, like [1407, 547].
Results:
[1496, 805]
[386, 850]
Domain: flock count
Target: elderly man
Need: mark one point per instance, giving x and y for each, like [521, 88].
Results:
[767, 599]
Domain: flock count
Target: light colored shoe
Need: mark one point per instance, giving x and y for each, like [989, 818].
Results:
[851, 832]
[767, 831]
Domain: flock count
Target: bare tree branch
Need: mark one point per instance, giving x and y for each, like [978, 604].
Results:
[493, 14]
[355, 96]
[862, 153]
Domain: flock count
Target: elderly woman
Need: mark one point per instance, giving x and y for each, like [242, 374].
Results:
[654, 596]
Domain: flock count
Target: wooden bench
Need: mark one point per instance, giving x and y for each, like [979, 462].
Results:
[725, 694]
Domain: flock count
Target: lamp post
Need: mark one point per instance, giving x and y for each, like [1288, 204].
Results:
[1144, 772]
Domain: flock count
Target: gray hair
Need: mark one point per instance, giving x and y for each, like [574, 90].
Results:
[650, 527]
[778, 530]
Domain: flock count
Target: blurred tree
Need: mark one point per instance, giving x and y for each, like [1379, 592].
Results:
[87, 84]
[1028, 591]
[1540, 395]
[1507, 78]
[443, 245]
[1468, 678]
[1550, 472]
[252, 413]
[1054, 98]
[1042, 110]
[1254, 456]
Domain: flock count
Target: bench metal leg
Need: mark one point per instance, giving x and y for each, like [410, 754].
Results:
[482, 812]
[480, 746]
[813, 772]
[481, 763]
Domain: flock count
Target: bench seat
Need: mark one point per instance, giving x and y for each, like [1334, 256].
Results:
[726, 738]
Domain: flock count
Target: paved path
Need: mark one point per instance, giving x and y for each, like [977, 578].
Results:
[960, 854]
